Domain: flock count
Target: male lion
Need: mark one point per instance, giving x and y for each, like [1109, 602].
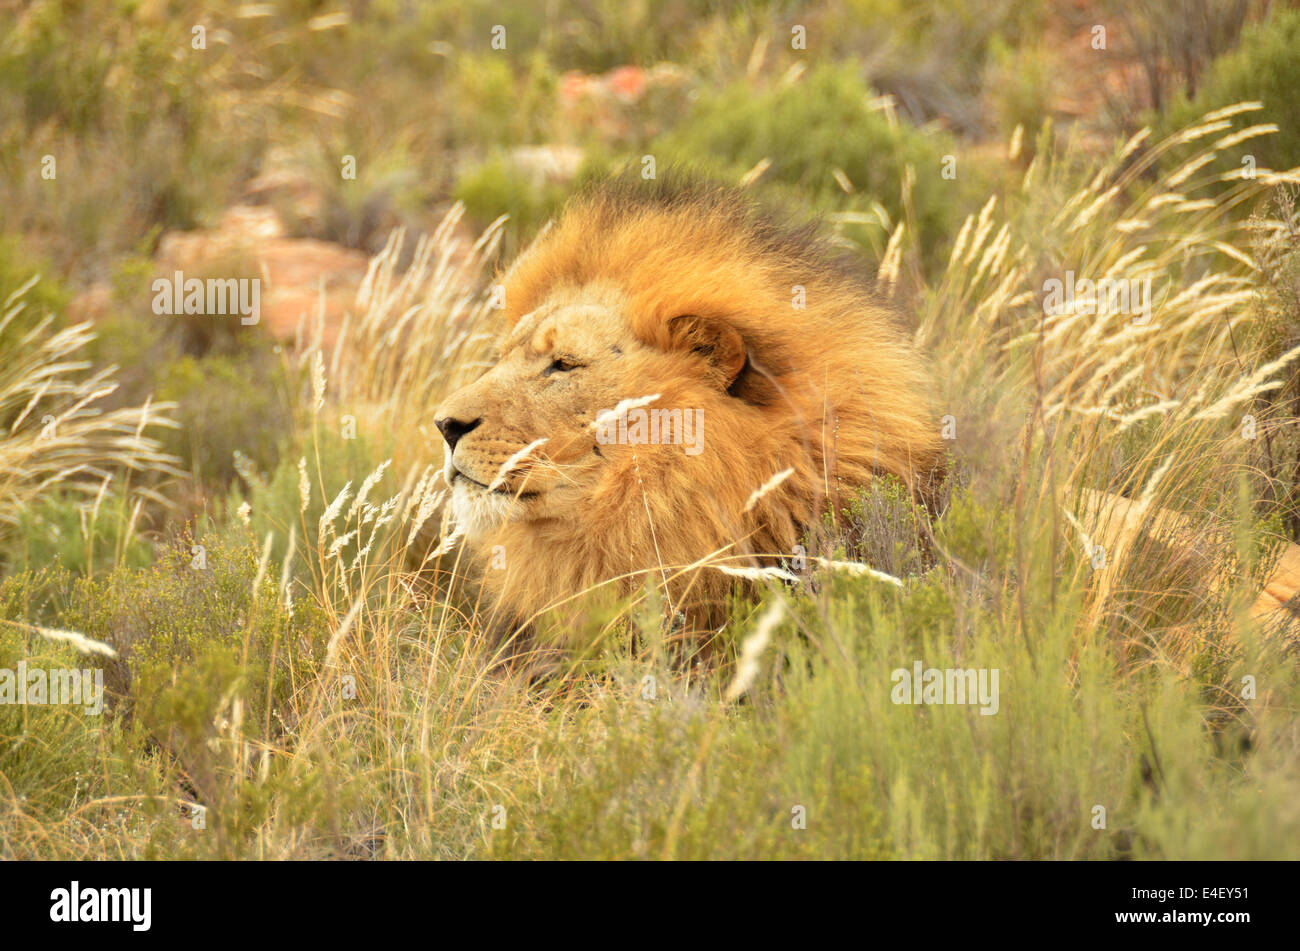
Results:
[764, 350]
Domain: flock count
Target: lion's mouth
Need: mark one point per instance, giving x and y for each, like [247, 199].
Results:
[457, 473]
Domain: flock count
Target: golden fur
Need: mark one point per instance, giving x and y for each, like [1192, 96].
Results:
[687, 291]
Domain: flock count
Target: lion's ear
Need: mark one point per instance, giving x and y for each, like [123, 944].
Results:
[716, 341]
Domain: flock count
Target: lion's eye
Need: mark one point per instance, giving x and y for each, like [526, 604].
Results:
[560, 365]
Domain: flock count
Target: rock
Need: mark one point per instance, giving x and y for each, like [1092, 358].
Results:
[299, 275]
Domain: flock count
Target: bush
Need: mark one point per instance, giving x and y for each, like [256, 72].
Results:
[813, 129]
[203, 600]
[227, 404]
[211, 656]
[496, 188]
[1175, 42]
[592, 36]
[498, 106]
[1021, 87]
[1264, 67]
[932, 56]
[227, 379]
[754, 797]
[52, 756]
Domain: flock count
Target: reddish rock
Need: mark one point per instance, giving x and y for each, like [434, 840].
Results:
[300, 276]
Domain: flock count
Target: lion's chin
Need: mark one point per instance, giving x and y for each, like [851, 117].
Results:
[479, 512]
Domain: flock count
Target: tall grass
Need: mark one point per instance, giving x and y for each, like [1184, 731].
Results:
[57, 436]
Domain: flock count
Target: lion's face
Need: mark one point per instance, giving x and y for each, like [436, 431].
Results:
[559, 367]
[664, 306]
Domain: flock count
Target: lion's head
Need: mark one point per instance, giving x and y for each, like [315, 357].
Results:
[667, 351]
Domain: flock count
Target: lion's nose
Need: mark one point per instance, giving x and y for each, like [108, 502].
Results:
[453, 429]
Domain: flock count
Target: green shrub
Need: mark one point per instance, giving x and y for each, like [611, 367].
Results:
[881, 526]
[203, 599]
[812, 129]
[754, 798]
[227, 404]
[1022, 85]
[499, 186]
[499, 105]
[1265, 67]
[593, 37]
[51, 755]
[494, 188]
[211, 656]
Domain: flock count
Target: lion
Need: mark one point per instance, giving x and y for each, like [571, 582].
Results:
[684, 380]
